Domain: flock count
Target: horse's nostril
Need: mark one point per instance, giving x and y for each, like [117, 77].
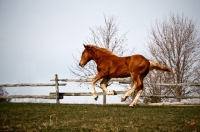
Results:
[80, 64]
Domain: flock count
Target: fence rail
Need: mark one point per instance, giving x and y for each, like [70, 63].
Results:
[57, 95]
[118, 92]
[56, 84]
[81, 94]
[31, 85]
[120, 80]
[176, 84]
[30, 96]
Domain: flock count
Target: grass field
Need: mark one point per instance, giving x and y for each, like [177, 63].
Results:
[88, 117]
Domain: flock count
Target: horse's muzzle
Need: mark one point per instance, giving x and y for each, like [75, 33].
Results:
[81, 65]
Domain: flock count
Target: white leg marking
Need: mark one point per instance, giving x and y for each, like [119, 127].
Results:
[103, 87]
[109, 92]
[93, 91]
[136, 98]
[128, 93]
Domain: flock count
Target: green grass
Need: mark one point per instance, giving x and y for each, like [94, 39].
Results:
[88, 117]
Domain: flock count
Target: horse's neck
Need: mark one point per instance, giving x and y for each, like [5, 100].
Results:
[97, 55]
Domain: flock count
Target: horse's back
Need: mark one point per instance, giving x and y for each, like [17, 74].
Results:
[139, 63]
[139, 58]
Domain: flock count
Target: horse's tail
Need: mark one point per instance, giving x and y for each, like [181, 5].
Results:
[157, 66]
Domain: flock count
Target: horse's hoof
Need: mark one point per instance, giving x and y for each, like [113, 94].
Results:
[115, 93]
[96, 98]
[131, 106]
[123, 99]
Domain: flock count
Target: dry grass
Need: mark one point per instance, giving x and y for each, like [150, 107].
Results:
[86, 117]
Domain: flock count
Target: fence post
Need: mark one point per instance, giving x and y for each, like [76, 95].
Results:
[57, 89]
[104, 99]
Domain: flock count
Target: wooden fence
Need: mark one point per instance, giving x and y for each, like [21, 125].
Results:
[57, 95]
[126, 81]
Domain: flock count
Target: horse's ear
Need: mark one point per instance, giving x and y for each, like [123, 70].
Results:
[84, 45]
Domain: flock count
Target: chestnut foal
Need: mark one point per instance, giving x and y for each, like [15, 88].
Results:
[110, 66]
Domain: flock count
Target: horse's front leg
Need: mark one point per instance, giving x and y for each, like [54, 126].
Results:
[103, 84]
[94, 80]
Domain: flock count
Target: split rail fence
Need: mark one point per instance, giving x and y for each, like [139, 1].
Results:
[57, 95]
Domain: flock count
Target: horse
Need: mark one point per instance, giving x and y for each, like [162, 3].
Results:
[110, 66]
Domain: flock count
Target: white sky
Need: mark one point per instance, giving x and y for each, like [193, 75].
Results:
[39, 37]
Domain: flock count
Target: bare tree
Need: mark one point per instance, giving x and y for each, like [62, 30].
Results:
[176, 43]
[4, 92]
[106, 36]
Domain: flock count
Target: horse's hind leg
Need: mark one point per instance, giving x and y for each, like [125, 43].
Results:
[103, 86]
[129, 92]
[139, 92]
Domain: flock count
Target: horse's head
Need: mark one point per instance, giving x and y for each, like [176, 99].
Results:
[86, 56]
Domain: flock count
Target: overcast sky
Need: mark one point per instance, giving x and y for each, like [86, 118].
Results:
[39, 37]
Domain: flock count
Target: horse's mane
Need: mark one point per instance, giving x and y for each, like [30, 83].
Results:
[104, 50]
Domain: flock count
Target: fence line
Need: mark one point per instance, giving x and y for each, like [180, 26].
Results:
[120, 80]
[56, 95]
[129, 81]
[118, 92]
[56, 84]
